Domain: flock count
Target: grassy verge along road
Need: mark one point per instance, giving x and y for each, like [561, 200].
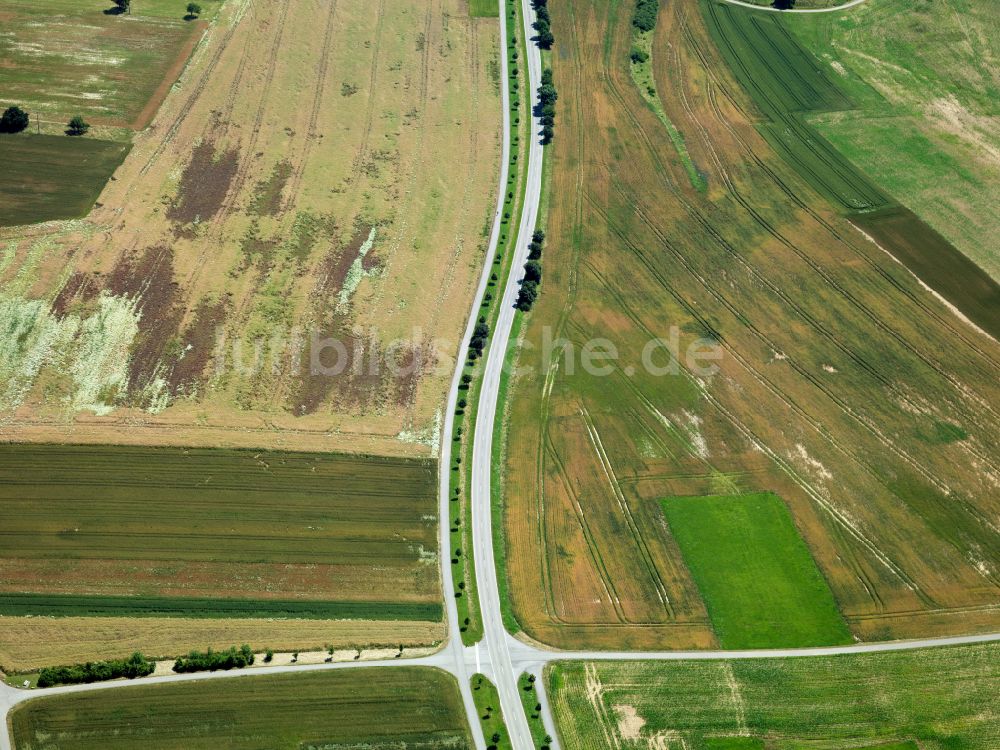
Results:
[488, 310]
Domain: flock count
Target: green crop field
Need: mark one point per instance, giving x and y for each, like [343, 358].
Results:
[63, 58]
[786, 82]
[484, 8]
[55, 605]
[182, 528]
[932, 699]
[405, 708]
[53, 177]
[760, 584]
[919, 121]
[922, 74]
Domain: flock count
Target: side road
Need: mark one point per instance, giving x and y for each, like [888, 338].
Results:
[522, 658]
[834, 9]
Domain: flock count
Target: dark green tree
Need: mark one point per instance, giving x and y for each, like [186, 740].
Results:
[527, 296]
[545, 38]
[533, 271]
[77, 126]
[644, 18]
[13, 120]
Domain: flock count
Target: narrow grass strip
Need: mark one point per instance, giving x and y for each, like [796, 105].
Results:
[68, 605]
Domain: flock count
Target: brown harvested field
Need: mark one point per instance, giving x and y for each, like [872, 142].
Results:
[28, 643]
[843, 387]
[285, 193]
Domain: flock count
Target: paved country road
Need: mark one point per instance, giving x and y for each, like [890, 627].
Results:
[496, 642]
[499, 656]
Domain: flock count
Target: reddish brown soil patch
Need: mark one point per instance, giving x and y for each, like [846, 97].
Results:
[149, 280]
[347, 368]
[267, 202]
[197, 346]
[80, 289]
[333, 270]
[204, 184]
[371, 262]
[257, 250]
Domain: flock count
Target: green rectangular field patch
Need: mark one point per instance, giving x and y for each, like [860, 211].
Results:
[403, 707]
[484, 8]
[53, 177]
[68, 605]
[733, 743]
[759, 582]
[158, 532]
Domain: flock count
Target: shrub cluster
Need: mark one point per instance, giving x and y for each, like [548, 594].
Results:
[210, 661]
[136, 665]
[480, 335]
[547, 96]
[645, 14]
[544, 24]
[532, 273]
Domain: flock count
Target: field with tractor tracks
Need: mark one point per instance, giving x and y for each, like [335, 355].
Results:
[926, 124]
[408, 707]
[839, 383]
[929, 699]
[256, 274]
[234, 537]
[797, 91]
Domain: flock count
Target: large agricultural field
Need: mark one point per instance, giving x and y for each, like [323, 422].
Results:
[791, 86]
[145, 533]
[411, 708]
[926, 120]
[69, 57]
[254, 276]
[929, 699]
[843, 386]
[60, 59]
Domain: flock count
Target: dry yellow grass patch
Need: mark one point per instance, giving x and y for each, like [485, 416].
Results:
[28, 643]
[320, 169]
